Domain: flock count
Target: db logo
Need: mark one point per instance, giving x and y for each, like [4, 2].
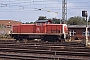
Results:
[38, 30]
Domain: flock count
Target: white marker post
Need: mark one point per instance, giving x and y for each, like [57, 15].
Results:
[86, 30]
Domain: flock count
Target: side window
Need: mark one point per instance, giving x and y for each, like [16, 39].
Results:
[89, 33]
[46, 22]
[39, 24]
[9, 26]
[84, 33]
[72, 32]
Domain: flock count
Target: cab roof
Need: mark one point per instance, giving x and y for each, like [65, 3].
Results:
[39, 21]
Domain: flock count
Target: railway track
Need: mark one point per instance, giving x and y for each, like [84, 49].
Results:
[44, 51]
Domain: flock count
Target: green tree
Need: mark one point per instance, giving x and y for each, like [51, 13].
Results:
[77, 20]
[89, 19]
[56, 21]
[32, 22]
[27, 23]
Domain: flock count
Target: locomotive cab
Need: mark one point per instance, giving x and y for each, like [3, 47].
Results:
[41, 25]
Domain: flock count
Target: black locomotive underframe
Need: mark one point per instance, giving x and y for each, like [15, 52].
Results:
[43, 37]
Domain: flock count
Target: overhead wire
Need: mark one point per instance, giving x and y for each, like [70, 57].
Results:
[24, 4]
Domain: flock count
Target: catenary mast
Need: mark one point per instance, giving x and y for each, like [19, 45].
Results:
[64, 11]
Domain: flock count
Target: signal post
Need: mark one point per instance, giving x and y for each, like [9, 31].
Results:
[85, 14]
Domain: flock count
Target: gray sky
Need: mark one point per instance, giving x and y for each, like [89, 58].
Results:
[28, 10]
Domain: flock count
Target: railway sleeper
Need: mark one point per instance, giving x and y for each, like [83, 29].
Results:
[50, 52]
[37, 56]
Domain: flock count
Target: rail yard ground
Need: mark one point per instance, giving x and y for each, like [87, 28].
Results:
[34, 50]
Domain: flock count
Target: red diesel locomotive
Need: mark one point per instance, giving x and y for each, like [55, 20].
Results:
[43, 29]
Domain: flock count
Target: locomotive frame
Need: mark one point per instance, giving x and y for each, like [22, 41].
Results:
[42, 36]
